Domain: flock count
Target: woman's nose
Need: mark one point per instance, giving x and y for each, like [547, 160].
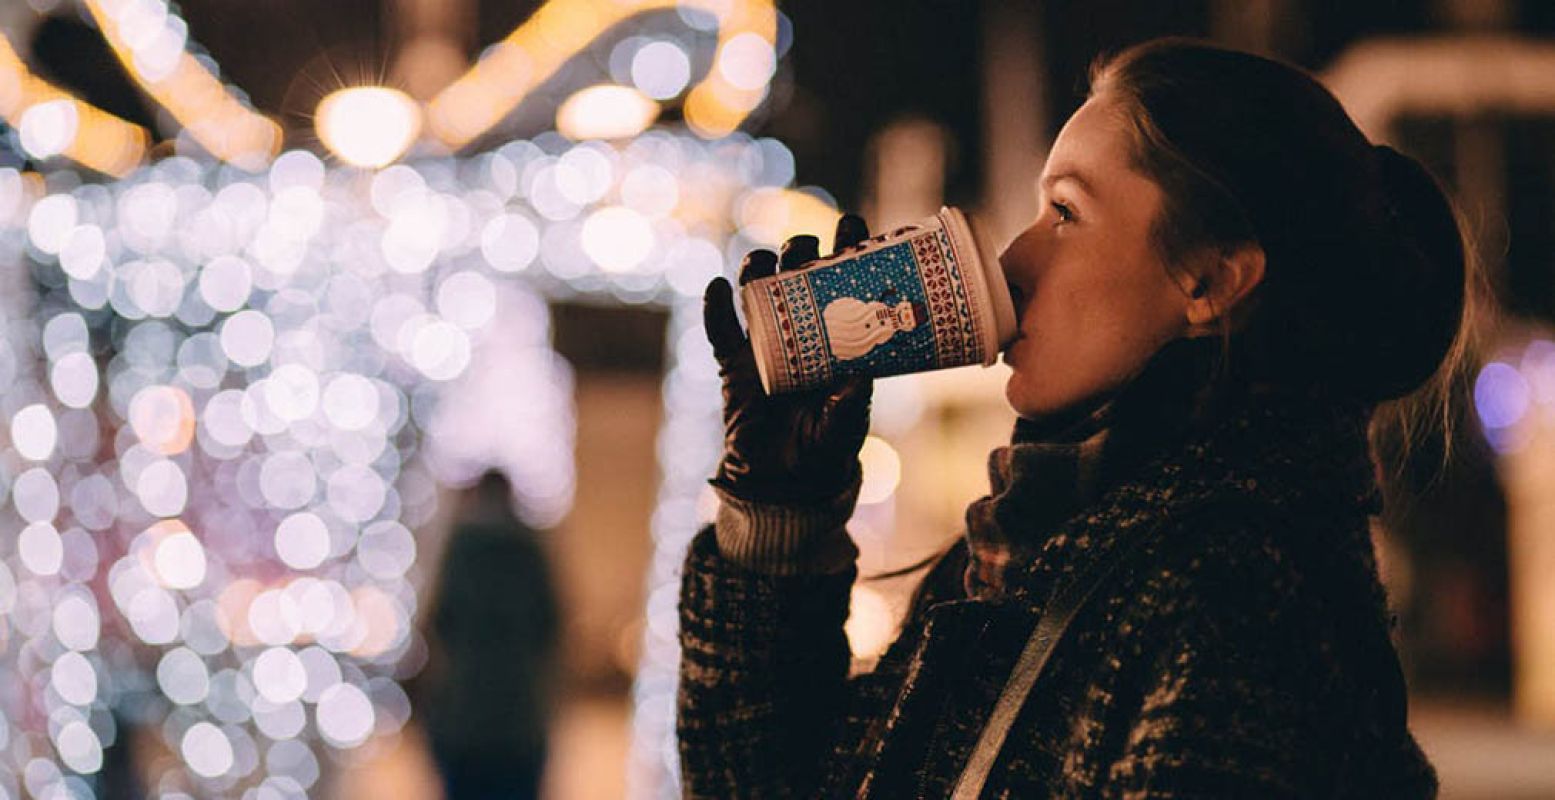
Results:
[1019, 260]
[1019, 264]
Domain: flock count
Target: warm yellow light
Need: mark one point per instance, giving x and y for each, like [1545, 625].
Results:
[222, 123]
[871, 626]
[606, 112]
[561, 29]
[768, 216]
[53, 122]
[617, 238]
[368, 126]
[163, 418]
[882, 469]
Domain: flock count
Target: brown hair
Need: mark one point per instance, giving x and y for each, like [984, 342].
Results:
[1370, 290]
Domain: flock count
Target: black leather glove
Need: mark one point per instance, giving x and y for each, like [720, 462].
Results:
[798, 448]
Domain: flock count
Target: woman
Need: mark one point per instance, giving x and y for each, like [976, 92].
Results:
[1226, 284]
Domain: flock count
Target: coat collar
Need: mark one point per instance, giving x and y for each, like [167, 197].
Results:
[1280, 448]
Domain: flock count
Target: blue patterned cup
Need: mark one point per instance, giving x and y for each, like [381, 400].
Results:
[925, 297]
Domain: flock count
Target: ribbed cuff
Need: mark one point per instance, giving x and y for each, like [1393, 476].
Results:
[787, 540]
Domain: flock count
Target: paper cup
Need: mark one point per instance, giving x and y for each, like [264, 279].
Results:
[925, 297]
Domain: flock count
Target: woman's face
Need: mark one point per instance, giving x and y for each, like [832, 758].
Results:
[1094, 299]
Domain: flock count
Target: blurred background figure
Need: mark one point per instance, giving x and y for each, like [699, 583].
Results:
[486, 695]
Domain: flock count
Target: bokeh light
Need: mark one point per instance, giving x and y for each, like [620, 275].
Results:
[368, 126]
[661, 69]
[871, 624]
[51, 122]
[1502, 399]
[1514, 395]
[230, 395]
[49, 128]
[529, 56]
[882, 470]
[149, 38]
[606, 112]
[222, 423]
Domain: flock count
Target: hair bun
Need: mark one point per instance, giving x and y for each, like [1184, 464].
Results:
[1420, 272]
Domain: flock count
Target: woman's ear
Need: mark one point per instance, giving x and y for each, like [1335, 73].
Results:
[1221, 281]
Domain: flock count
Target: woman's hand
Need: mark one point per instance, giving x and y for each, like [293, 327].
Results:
[798, 448]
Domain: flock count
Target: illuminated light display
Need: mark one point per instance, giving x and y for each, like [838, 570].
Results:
[882, 470]
[742, 65]
[1514, 401]
[660, 69]
[54, 123]
[228, 397]
[605, 112]
[150, 40]
[265, 358]
[368, 126]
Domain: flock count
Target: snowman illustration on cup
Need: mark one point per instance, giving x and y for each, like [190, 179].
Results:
[855, 327]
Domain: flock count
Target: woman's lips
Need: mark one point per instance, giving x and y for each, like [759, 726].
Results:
[1008, 351]
[1017, 299]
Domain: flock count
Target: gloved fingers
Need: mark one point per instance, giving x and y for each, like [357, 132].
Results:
[719, 320]
[757, 264]
[800, 250]
[851, 229]
[842, 417]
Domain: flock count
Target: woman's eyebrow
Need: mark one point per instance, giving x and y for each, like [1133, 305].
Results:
[1085, 186]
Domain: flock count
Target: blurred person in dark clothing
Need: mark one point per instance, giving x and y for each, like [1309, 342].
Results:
[486, 694]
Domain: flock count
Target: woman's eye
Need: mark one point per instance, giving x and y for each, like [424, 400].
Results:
[1064, 214]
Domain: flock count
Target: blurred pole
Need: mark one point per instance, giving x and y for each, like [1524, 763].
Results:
[433, 37]
[1479, 147]
[1015, 111]
[905, 173]
[1479, 175]
[1480, 166]
[1528, 473]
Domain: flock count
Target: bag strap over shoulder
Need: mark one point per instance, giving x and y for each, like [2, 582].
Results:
[1067, 601]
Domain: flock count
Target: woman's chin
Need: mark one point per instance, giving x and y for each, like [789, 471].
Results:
[1016, 394]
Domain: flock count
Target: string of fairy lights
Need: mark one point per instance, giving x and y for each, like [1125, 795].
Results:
[264, 390]
[221, 370]
[259, 355]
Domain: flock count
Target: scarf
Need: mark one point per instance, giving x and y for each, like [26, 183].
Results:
[1062, 462]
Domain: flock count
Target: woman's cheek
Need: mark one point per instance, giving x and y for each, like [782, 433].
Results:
[1051, 311]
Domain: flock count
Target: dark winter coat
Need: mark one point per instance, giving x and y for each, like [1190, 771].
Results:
[1244, 652]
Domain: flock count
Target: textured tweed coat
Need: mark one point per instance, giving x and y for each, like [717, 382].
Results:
[1244, 652]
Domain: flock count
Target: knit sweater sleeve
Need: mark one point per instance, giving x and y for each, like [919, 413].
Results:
[765, 707]
[787, 540]
[763, 676]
